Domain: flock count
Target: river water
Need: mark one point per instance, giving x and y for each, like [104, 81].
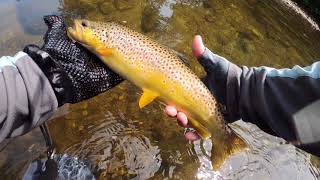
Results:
[116, 139]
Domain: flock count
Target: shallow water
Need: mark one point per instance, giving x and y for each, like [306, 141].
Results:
[116, 138]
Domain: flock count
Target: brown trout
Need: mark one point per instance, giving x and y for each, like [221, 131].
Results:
[159, 72]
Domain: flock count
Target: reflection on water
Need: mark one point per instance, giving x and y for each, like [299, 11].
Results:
[21, 23]
[118, 149]
[30, 13]
[268, 155]
[116, 138]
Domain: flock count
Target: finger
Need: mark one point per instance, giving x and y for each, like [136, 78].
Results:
[182, 119]
[171, 111]
[197, 46]
[31, 50]
[39, 57]
[50, 20]
[192, 136]
[213, 63]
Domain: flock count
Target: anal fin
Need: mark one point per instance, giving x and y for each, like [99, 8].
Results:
[147, 97]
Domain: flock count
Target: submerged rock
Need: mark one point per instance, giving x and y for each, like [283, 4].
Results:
[150, 19]
[122, 4]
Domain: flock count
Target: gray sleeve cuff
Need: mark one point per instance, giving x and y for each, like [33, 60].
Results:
[27, 98]
[307, 123]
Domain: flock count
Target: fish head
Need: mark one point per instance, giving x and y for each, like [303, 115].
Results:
[90, 34]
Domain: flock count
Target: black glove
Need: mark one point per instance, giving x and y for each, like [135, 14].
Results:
[217, 73]
[223, 80]
[74, 73]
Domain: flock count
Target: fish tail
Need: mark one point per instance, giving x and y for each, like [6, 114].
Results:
[225, 146]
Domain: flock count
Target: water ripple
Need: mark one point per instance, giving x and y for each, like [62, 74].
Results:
[114, 149]
[267, 157]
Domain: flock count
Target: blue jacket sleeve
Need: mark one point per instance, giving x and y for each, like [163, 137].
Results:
[27, 98]
[283, 102]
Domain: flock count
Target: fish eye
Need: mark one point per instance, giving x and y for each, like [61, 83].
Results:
[84, 23]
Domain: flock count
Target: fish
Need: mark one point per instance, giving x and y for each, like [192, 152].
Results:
[161, 75]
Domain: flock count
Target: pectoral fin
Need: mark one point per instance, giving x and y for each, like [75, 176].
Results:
[105, 51]
[147, 97]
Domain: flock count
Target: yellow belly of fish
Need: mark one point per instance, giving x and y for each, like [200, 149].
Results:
[156, 85]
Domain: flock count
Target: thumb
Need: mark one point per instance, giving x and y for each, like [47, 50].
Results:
[197, 46]
[210, 61]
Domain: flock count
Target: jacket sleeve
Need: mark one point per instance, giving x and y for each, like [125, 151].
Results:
[26, 96]
[283, 102]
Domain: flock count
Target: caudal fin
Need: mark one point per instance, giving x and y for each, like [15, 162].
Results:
[224, 147]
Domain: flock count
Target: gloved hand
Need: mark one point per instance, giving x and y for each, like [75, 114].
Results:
[74, 73]
[216, 80]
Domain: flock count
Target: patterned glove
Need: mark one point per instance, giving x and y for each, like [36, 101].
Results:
[74, 73]
[217, 72]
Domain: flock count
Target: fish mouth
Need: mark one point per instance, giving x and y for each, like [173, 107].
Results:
[76, 32]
